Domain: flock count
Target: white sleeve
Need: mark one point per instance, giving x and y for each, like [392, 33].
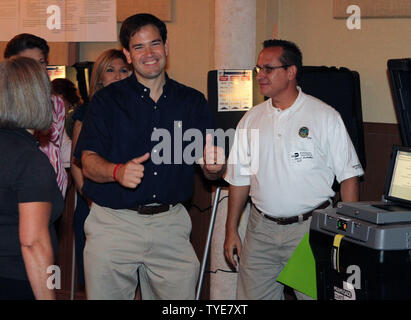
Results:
[344, 158]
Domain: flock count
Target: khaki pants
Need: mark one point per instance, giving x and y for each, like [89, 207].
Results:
[124, 247]
[266, 250]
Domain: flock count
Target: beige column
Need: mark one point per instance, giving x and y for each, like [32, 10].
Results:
[235, 38]
[235, 34]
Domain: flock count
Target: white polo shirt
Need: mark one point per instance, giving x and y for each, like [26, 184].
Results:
[290, 157]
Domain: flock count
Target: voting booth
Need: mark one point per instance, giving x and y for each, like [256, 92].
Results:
[362, 250]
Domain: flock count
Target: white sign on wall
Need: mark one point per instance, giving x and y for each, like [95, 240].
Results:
[235, 90]
[59, 20]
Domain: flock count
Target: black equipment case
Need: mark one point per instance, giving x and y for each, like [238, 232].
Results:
[340, 88]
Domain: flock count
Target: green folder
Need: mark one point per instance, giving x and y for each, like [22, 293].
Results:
[299, 273]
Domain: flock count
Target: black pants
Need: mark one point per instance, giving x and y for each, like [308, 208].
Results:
[12, 289]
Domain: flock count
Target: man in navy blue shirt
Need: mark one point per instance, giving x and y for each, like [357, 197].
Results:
[136, 151]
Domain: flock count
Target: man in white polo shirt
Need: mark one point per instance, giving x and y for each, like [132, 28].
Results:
[286, 153]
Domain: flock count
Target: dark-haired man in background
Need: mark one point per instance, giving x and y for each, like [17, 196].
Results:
[301, 145]
[138, 228]
[30, 46]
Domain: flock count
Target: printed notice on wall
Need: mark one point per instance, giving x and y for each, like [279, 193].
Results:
[59, 20]
[235, 90]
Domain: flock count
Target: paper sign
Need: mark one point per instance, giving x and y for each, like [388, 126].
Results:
[235, 90]
[59, 20]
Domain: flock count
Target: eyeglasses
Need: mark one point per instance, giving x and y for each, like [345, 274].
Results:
[268, 69]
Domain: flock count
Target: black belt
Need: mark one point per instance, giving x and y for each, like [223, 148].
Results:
[290, 220]
[150, 210]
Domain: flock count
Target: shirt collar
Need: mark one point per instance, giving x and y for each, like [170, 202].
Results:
[295, 106]
[144, 90]
[299, 101]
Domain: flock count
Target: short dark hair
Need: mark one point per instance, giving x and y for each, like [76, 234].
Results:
[67, 89]
[134, 23]
[25, 41]
[291, 53]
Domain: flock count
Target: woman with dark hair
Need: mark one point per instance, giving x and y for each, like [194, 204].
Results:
[67, 90]
[29, 195]
[110, 66]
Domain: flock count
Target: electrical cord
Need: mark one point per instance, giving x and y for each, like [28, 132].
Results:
[222, 270]
[203, 210]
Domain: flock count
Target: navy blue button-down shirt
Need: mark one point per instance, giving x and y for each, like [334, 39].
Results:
[119, 126]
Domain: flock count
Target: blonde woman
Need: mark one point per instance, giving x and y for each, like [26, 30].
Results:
[110, 66]
[29, 195]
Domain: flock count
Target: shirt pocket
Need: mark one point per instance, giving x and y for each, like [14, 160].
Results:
[302, 155]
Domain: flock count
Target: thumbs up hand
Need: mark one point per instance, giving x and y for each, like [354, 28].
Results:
[130, 174]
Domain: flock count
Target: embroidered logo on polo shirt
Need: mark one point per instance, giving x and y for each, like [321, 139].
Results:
[303, 132]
